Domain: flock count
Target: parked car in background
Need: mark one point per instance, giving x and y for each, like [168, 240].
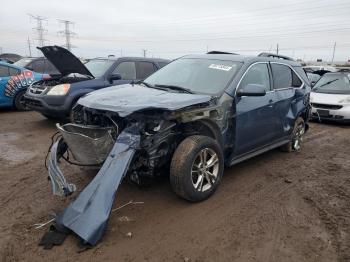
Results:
[330, 97]
[14, 81]
[56, 97]
[38, 64]
[313, 78]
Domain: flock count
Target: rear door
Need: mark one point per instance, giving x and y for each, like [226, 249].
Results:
[286, 84]
[127, 70]
[255, 117]
[144, 69]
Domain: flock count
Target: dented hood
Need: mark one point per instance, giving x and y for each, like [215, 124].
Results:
[65, 62]
[126, 99]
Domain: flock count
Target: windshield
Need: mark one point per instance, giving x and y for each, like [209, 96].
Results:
[333, 84]
[197, 75]
[98, 67]
[23, 62]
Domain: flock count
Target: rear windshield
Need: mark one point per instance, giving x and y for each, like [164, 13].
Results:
[333, 84]
[207, 76]
[98, 67]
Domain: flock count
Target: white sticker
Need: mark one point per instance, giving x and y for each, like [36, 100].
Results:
[220, 67]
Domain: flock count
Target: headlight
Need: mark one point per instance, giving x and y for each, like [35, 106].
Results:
[59, 90]
[345, 100]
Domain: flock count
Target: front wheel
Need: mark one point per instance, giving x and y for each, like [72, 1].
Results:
[297, 137]
[19, 102]
[196, 168]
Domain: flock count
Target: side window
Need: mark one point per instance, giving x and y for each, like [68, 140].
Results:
[144, 69]
[127, 70]
[257, 74]
[284, 77]
[14, 71]
[38, 66]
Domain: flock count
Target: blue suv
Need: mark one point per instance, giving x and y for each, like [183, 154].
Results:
[195, 116]
[187, 121]
[56, 97]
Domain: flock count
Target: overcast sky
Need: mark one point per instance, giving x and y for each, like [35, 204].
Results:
[171, 28]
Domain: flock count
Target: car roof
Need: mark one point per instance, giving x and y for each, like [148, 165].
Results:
[243, 58]
[131, 58]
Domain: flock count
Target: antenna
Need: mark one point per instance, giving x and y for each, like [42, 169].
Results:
[67, 33]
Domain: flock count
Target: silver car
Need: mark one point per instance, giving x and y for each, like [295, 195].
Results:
[330, 97]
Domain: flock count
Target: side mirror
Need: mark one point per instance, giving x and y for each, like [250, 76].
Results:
[252, 90]
[115, 76]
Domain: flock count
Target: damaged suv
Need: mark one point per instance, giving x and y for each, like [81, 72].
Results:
[189, 119]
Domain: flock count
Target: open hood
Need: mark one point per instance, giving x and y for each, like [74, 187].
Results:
[126, 99]
[65, 62]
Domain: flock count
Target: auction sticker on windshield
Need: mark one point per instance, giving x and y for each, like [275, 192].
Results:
[220, 67]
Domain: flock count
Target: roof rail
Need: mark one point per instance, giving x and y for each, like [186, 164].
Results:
[220, 53]
[276, 56]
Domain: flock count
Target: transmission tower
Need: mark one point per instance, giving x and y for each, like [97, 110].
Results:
[67, 33]
[40, 31]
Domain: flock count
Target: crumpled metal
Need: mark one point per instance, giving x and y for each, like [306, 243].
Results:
[88, 215]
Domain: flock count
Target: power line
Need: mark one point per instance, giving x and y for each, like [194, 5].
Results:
[67, 33]
[40, 31]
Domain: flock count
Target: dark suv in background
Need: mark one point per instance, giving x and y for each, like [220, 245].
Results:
[54, 98]
[38, 65]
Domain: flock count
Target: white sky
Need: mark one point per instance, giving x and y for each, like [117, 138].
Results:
[169, 28]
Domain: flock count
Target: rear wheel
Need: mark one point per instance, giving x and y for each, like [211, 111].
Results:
[297, 137]
[19, 102]
[196, 168]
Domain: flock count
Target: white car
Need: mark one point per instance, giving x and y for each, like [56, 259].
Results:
[330, 97]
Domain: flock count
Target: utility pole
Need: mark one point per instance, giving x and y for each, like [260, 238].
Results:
[40, 31]
[67, 33]
[144, 52]
[335, 44]
[0, 50]
[277, 49]
[29, 47]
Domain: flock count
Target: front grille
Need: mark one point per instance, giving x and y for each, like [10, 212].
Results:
[326, 106]
[37, 90]
[33, 103]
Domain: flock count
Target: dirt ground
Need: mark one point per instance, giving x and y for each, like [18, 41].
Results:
[274, 207]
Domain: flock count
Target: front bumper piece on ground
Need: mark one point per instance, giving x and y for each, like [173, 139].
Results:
[87, 216]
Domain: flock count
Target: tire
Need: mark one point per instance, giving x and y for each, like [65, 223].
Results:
[19, 102]
[189, 178]
[297, 137]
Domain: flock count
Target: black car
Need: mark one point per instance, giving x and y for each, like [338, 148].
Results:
[38, 64]
[54, 98]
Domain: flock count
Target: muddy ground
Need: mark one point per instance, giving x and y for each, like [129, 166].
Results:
[274, 207]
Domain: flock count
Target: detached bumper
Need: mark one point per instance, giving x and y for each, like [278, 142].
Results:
[88, 215]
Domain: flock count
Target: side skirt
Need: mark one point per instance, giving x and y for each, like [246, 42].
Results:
[257, 152]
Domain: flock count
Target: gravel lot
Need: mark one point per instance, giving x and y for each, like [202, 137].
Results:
[274, 207]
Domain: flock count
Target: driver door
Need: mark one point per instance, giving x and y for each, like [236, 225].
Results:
[255, 118]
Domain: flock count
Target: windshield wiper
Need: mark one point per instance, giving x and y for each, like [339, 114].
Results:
[327, 83]
[178, 88]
